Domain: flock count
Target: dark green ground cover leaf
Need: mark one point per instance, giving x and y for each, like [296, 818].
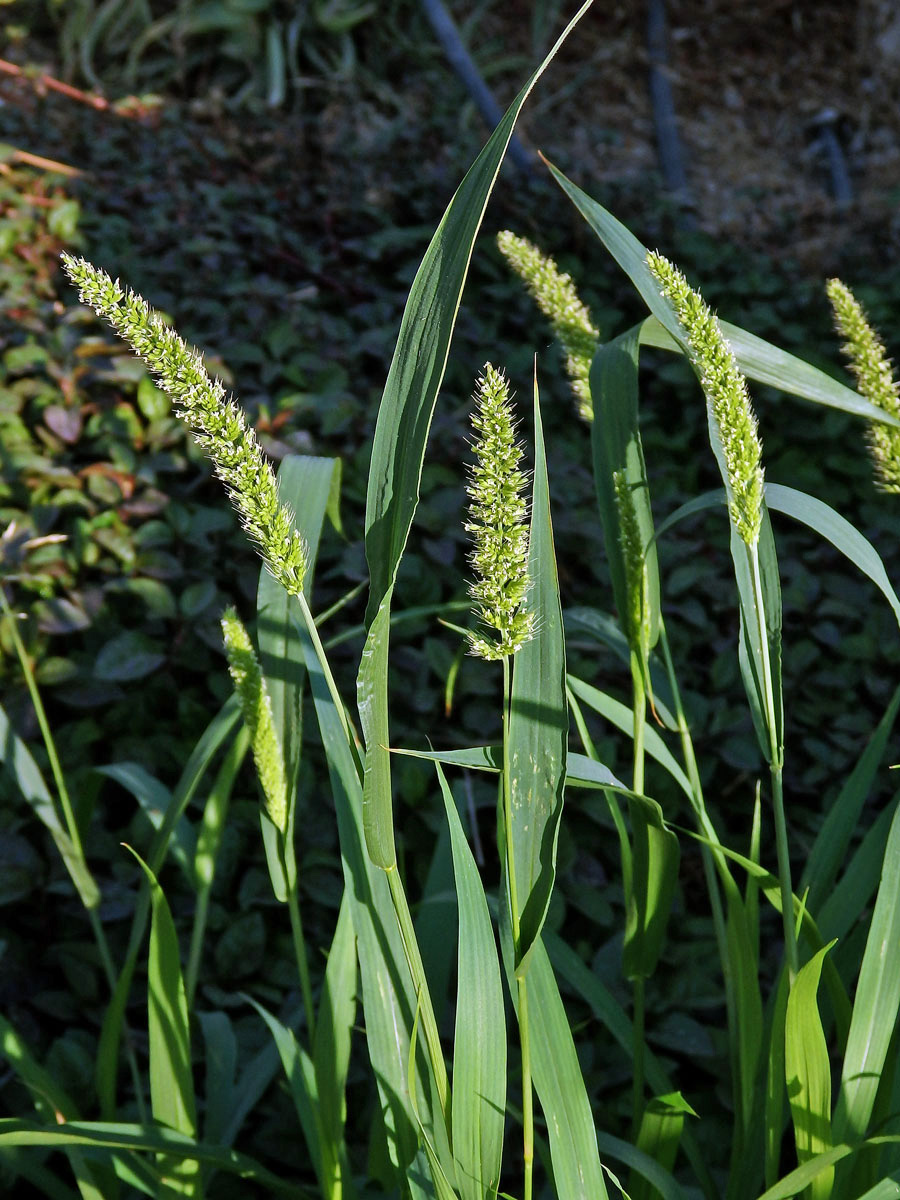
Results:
[315, 269]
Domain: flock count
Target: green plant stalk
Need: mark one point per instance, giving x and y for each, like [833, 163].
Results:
[527, 1089]
[224, 780]
[639, 709]
[776, 768]
[341, 602]
[398, 895]
[710, 862]
[293, 900]
[521, 984]
[47, 737]
[195, 951]
[65, 802]
[310, 621]
[420, 983]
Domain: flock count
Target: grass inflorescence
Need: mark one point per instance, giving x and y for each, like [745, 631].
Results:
[217, 422]
[875, 376]
[497, 523]
[554, 293]
[726, 392]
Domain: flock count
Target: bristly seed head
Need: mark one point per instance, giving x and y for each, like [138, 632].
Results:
[726, 393]
[636, 621]
[256, 706]
[872, 368]
[557, 299]
[497, 523]
[217, 423]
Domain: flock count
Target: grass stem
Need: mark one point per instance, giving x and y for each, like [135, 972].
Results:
[49, 744]
[420, 983]
[527, 1091]
[776, 765]
[195, 952]
[300, 954]
[637, 1025]
[521, 985]
[639, 709]
[398, 895]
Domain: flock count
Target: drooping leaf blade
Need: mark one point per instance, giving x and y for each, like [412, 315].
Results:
[196, 767]
[659, 1137]
[300, 1074]
[756, 358]
[153, 1139]
[837, 530]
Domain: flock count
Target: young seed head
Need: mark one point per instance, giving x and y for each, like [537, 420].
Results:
[636, 620]
[557, 299]
[872, 368]
[726, 393]
[217, 423]
[256, 706]
[497, 523]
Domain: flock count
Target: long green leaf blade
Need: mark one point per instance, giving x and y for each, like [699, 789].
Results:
[761, 361]
[154, 1139]
[479, 1047]
[757, 359]
[171, 1080]
[654, 875]
[309, 486]
[404, 419]
[221, 1053]
[559, 1083]
[808, 1071]
[876, 1003]
[658, 1140]
[389, 1002]
[298, 1069]
[196, 767]
[539, 719]
[837, 530]
[620, 715]
[331, 1049]
[853, 892]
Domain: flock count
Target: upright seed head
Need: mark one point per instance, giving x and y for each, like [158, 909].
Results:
[217, 423]
[726, 393]
[636, 621]
[497, 523]
[872, 368]
[557, 299]
[256, 706]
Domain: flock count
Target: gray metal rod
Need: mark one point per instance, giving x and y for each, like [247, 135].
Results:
[463, 64]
